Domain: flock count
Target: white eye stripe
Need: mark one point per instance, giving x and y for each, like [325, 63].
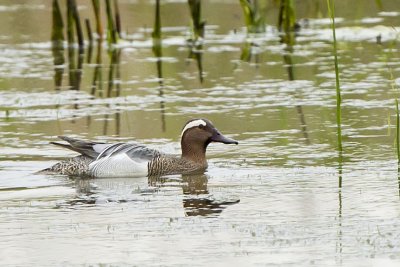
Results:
[192, 124]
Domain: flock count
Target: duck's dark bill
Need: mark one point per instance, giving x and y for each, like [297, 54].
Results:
[218, 137]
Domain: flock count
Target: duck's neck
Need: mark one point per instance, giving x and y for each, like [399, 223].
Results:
[195, 153]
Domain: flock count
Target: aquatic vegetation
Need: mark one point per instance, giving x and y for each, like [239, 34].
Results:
[112, 31]
[57, 33]
[74, 20]
[254, 16]
[198, 25]
[99, 27]
[397, 130]
[287, 21]
[331, 9]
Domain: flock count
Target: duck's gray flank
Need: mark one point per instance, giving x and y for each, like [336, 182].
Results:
[100, 159]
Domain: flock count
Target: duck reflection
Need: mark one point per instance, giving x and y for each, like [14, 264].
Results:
[196, 201]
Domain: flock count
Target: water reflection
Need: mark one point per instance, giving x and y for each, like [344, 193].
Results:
[113, 88]
[197, 201]
[250, 48]
[398, 176]
[157, 50]
[288, 28]
[75, 61]
[97, 81]
[196, 53]
[59, 61]
[340, 233]
[57, 38]
[196, 198]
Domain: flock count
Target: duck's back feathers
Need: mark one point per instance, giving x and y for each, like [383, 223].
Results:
[134, 151]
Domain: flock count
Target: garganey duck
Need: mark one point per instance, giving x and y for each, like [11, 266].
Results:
[135, 160]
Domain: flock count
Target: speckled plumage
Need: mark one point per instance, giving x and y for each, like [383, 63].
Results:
[76, 166]
[166, 165]
[132, 159]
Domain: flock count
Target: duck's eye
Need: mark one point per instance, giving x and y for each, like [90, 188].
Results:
[201, 126]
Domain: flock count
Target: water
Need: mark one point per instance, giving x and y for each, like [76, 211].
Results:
[271, 200]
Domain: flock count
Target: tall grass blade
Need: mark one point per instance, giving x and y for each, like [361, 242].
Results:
[117, 18]
[397, 131]
[99, 26]
[287, 18]
[57, 34]
[111, 29]
[253, 16]
[157, 41]
[78, 26]
[89, 31]
[331, 9]
[70, 23]
[198, 24]
[287, 21]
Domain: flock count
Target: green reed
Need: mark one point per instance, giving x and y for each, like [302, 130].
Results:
[70, 23]
[198, 24]
[331, 9]
[117, 18]
[286, 18]
[57, 34]
[111, 28]
[157, 40]
[73, 20]
[99, 27]
[89, 31]
[397, 130]
[253, 15]
[287, 23]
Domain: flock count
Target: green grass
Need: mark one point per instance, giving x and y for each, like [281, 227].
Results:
[331, 9]
[253, 15]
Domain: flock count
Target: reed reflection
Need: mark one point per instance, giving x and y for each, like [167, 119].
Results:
[196, 53]
[340, 234]
[157, 51]
[75, 62]
[113, 88]
[57, 41]
[287, 28]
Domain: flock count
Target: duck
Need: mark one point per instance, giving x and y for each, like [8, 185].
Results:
[131, 159]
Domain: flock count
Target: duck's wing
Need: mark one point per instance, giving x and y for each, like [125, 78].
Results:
[134, 151]
[87, 148]
[123, 160]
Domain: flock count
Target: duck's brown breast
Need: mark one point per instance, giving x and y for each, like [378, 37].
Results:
[164, 165]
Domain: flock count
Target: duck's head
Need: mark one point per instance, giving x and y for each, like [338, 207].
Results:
[197, 134]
